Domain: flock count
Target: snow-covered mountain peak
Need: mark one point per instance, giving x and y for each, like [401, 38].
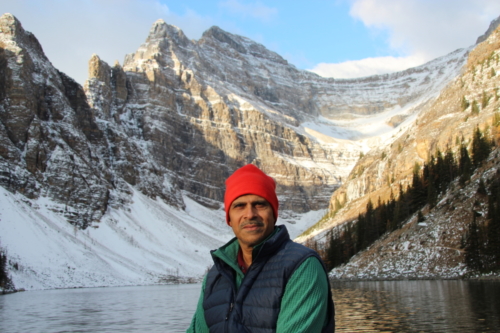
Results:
[178, 118]
[162, 30]
[14, 36]
[241, 44]
[10, 25]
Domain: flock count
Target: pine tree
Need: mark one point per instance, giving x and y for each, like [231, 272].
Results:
[348, 245]
[381, 218]
[493, 232]
[464, 164]
[496, 119]
[472, 247]
[405, 205]
[361, 232]
[418, 192]
[391, 206]
[371, 224]
[480, 148]
[432, 194]
[481, 189]
[396, 216]
[450, 163]
[475, 108]
[485, 100]
[465, 103]
[5, 280]
[420, 216]
[3, 269]
[332, 255]
[337, 206]
[442, 174]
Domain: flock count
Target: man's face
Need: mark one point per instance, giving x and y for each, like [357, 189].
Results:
[252, 219]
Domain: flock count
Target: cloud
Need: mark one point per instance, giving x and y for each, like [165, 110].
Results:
[366, 67]
[427, 28]
[71, 31]
[418, 31]
[255, 10]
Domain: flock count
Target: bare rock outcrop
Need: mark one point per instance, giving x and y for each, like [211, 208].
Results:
[48, 130]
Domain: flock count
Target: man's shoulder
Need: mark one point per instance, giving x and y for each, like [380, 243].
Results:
[294, 252]
[297, 247]
[288, 244]
[301, 254]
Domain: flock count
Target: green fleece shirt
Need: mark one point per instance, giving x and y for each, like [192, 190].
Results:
[303, 306]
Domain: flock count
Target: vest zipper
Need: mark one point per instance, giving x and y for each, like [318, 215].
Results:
[226, 326]
[230, 309]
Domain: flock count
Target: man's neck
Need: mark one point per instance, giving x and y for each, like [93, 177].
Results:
[247, 250]
[247, 254]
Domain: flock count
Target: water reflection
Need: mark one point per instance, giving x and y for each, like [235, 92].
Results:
[384, 306]
[417, 306]
[125, 309]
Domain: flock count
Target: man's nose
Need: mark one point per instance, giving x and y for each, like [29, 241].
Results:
[250, 212]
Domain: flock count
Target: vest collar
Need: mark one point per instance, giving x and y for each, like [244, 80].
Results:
[270, 245]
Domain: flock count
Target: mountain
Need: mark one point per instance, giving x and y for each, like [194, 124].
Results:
[134, 161]
[430, 245]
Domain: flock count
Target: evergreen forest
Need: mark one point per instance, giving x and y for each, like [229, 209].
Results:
[482, 241]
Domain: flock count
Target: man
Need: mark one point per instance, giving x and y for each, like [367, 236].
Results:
[261, 280]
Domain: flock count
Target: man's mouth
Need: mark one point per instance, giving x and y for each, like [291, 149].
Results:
[252, 225]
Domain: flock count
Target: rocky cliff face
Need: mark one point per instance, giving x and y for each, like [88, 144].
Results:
[227, 101]
[438, 126]
[181, 116]
[433, 248]
[48, 131]
[172, 95]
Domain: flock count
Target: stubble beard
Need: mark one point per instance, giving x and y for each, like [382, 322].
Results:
[257, 223]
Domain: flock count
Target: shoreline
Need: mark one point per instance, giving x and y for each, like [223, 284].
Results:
[463, 278]
[94, 287]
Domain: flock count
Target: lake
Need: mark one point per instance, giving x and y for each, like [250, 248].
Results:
[418, 306]
[382, 306]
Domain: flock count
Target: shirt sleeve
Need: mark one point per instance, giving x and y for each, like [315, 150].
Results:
[198, 323]
[305, 303]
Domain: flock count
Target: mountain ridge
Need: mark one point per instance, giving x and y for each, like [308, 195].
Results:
[433, 248]
[171, 124]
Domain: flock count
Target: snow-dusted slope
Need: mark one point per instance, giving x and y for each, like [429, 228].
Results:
[146, 242]
[138, 245]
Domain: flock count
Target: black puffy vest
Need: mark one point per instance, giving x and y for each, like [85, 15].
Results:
[256, 305]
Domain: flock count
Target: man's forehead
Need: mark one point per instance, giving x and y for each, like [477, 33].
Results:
[249, 198]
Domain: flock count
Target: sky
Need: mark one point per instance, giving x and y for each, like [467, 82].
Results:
[333, 38]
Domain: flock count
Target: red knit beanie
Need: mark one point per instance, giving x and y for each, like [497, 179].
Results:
[250, 180]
